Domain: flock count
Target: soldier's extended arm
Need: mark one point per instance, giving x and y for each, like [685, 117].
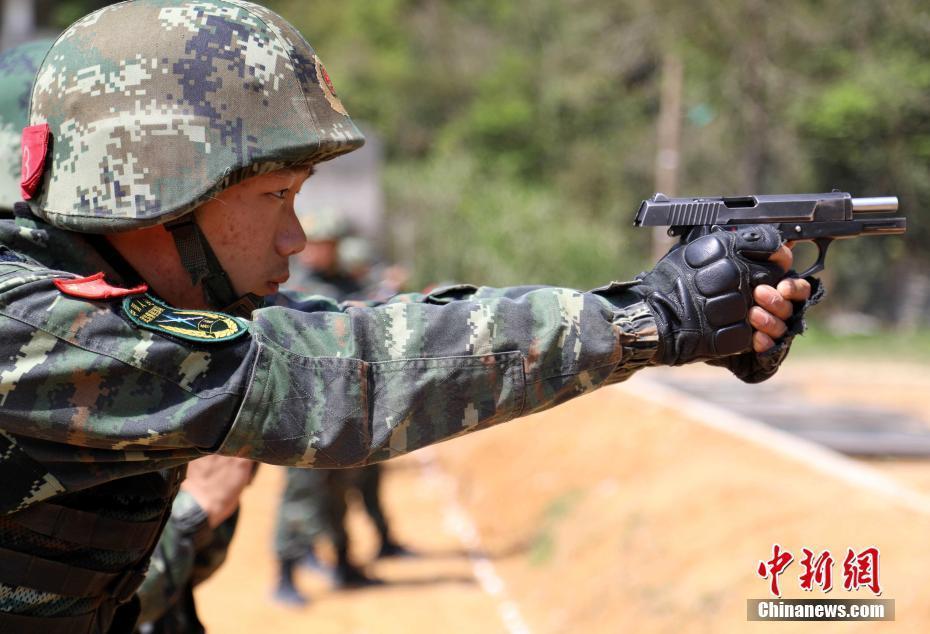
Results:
[324, 388]
[368, 383]
[339, 385]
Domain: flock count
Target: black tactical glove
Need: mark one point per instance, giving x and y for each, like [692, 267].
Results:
[700, 293]
[755, 367]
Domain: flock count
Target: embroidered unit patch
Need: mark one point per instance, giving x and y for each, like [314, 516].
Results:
[194, 325]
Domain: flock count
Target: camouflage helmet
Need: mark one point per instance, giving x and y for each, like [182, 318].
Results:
[18, 68]
[154, 106]
[355, 253]
[324, 224]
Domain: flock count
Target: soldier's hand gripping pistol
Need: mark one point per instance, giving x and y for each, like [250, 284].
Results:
[817, 218]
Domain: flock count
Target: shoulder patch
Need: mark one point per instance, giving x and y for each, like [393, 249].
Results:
[95, 287]
[204, 326]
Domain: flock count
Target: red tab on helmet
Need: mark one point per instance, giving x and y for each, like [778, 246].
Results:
[95, 287]
[35, 150]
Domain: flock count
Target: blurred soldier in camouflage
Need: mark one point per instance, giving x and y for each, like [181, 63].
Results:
[18, 68]
[313, 503]
[318, 269]
[167, 140]
[193, 544]
[379, 281]
[190, 549]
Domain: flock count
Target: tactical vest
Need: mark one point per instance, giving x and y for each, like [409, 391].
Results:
[91, 535]
[89, 549]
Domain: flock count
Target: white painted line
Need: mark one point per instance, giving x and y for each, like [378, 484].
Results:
[793, 447]
[460, 524]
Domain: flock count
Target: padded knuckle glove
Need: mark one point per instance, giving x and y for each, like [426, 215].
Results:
[752, 367]
[700, 293]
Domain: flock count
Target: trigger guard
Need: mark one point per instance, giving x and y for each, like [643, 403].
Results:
[822, 245]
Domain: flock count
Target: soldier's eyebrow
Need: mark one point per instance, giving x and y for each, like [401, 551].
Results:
[286, 176]
[301, 170]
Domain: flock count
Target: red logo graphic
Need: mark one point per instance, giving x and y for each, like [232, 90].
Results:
[861, 570]
[329, 83]
[774, 567]
[817, 571]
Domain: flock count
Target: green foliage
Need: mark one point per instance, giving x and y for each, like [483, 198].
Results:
[882, 345]
[492, 229]
[521, 136]
[543, 545]
[59, 14]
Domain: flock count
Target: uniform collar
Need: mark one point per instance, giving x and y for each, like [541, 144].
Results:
[63, 250]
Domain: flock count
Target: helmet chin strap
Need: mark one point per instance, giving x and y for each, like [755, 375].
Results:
[201, 262]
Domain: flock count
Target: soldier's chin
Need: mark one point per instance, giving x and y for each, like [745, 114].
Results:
[271, 288]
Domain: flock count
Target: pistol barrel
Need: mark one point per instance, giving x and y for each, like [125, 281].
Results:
[880, 204]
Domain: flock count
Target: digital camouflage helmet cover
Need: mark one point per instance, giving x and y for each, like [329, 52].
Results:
[153, 106]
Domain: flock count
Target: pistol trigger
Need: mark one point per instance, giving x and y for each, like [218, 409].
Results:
[822, 245]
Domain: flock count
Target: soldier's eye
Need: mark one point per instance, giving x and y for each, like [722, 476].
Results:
[281, 194]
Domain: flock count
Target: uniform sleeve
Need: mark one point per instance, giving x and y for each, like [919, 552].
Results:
[317, 384]
[363, 383]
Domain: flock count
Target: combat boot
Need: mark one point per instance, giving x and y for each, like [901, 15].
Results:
[286, 592]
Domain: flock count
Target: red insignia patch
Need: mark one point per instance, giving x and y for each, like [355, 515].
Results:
[95, 287]
[35, 150]
[329, 83]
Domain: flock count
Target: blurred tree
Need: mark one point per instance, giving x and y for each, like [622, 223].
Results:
[58, 14]
[528, 130]
[559, 99]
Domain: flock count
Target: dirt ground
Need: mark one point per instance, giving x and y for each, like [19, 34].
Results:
[608, 514]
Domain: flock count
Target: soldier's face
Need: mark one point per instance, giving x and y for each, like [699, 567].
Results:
[253, 229]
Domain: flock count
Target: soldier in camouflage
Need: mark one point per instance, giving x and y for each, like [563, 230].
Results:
[18, 68]
[318, 270]
[313, 503]
[190, 549]
[167, 140]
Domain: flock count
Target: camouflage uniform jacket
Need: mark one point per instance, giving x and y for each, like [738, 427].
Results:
[88, 398]
[94, 398]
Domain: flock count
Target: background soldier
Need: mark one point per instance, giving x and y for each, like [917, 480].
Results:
[167, 141]
[319, 269]
[193, 544]
[18, 68]
[313, 503]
